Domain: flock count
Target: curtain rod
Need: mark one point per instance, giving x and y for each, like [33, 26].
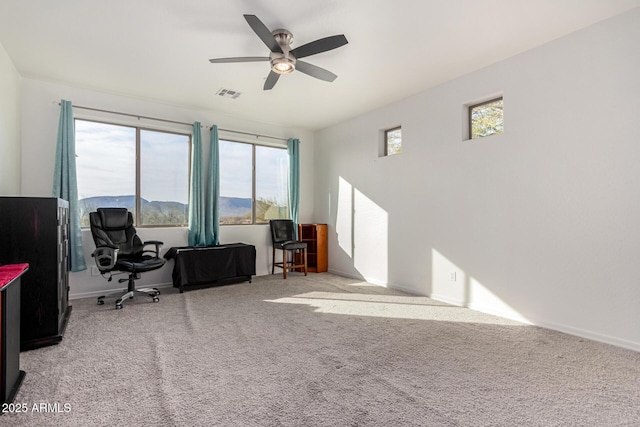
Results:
[138, 116]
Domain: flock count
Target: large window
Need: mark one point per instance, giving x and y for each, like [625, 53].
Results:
[145, 171]
[253, 183]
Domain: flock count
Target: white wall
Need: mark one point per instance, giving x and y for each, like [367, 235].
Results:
[40, 114]
[9, 126]
[539, 223]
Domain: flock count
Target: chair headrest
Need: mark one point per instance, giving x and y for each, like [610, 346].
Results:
[115, 218]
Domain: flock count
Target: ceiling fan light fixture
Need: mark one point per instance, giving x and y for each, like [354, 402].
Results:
[282, 65]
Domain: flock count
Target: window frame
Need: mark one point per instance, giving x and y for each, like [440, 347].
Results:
[138, 130]
[386, 140]
[254, 145]
[470, 115]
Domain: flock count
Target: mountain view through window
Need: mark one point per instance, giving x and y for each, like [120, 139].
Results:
[147, 172]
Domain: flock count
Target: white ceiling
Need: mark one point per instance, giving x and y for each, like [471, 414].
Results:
[159, 49]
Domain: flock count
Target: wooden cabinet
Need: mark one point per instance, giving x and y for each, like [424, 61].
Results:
[315, 236]
[35, 230]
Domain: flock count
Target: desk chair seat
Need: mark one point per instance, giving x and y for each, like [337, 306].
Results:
[119, 249]
[283, 238]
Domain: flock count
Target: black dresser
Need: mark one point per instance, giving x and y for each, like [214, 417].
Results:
[35, 230]
[212, 265]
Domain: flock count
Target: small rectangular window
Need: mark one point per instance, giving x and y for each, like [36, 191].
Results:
[486, 118]
[393, 141]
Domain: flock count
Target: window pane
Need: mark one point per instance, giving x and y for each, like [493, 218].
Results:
[235, 182]
[272, 167]
[164, 178]
[487, 119]
[105, 167]
[394, 141]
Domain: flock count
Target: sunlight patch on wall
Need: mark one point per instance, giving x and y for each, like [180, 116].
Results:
[371, 239]
[451, 284]
[344, 219]
[481, 298]
[362, 229]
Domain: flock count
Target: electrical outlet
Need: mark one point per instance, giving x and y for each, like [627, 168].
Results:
[95, 271]
[452, 277]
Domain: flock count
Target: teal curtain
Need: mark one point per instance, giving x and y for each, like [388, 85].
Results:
[293, 149]
[65, 184]
[213, 195]
[196, 236]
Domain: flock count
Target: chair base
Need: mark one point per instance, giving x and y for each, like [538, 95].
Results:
[131, 292]
[150, 292]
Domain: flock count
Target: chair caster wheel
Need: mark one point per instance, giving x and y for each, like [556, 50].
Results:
[156, 299]
[118, 306]
[100, 302]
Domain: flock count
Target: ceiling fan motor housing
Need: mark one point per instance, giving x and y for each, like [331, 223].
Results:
[283, 63]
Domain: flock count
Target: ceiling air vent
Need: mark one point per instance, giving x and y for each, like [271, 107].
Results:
[228, 93]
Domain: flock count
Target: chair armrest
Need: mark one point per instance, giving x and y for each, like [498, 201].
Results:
[156, 243]
[106, 257]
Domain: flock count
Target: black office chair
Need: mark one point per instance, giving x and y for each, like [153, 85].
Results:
[283, 237]
[118, 248]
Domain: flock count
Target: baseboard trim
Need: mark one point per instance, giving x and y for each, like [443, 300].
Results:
[371, 281]
[343, 274]
[570, 330]
[96, 294]
[500, 313]
[447, 300]
[405, 289]
[582, 333]
[594, 336]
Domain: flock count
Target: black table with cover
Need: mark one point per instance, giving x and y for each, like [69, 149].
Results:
[198, 266]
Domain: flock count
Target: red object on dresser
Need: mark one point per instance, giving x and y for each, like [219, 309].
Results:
[10, 374]
[10, 272]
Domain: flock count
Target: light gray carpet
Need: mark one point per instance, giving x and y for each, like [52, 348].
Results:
[320, 351]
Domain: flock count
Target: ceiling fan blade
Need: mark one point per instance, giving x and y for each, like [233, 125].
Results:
[239, 59]
[319, 46]
[315, 71]
[271, 81]
[263, 32]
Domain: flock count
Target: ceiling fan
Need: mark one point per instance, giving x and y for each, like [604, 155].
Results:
[284, 59]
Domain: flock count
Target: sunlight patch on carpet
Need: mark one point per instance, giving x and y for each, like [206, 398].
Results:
[391, 306]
